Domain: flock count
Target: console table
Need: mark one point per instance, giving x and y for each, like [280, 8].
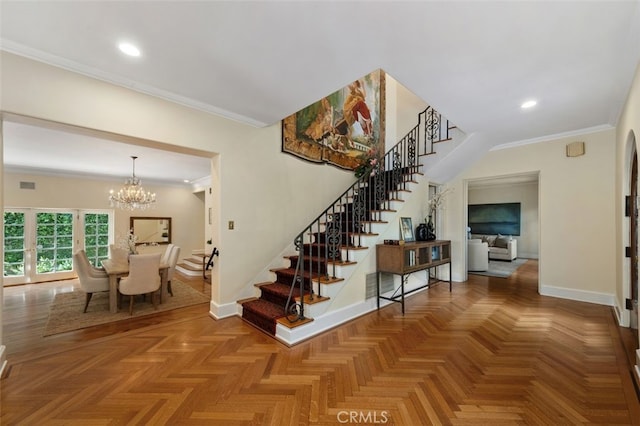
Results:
[405, 259]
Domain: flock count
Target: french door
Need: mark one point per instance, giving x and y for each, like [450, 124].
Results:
[39, 244]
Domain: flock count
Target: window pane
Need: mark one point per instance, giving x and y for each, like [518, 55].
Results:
[13, 262]
[55, 242]
[96, 237]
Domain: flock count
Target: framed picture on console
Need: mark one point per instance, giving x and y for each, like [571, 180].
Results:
[406, 229]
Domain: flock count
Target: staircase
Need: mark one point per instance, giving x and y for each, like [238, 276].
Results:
[328, 244]
[191, 266]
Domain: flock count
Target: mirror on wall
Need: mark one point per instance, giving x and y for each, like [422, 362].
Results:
[151, 230]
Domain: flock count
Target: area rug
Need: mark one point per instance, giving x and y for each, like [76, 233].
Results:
[66, 309]
[501, 268]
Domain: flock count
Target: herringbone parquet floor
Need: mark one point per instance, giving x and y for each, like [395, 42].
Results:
[492, 352]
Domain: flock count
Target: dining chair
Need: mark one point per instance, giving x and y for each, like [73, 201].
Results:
[143, 278]
[92, 279]
[172, 262]
[167, 253]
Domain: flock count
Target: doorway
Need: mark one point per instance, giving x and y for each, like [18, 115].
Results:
[633, 239]
[520, 188]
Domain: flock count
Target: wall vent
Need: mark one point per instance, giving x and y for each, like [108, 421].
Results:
[27, 185]
[575, 149]
[386, 284]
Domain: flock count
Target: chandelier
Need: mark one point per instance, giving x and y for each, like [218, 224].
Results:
[132, 195]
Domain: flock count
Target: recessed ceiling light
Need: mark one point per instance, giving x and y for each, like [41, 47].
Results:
[528, 104]
[129, 49]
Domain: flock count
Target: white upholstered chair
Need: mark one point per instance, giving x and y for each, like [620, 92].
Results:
[167, 253]
[92, 279]
[143, 278]
[477, 255]
[172, 261]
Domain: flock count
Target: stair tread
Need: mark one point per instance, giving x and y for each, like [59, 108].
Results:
[339, 262]
[284, 321]
[264, 308]
[189, 267]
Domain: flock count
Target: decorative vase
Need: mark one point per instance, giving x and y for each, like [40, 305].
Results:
[431, 231]
[421, 232]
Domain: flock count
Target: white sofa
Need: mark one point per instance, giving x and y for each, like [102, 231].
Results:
[477, 255]
[500, 247]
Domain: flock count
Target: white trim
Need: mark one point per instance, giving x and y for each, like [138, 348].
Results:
[547, 138]
[619, 315]
[87, 175]
[3, 361]
[637, 366]
[292, 336]
[332, 319]
[222, 311]
[578, 295]
[201, 184]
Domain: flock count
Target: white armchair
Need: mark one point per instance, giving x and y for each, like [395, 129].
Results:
[507, 251]
[477, 255]
[92, 279]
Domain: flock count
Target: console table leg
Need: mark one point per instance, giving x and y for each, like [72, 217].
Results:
[378, 290]
[402, 295]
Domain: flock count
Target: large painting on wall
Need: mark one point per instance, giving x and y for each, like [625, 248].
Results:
[341, 128]
[492, 219]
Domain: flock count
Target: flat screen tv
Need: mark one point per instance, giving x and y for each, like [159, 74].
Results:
[492, 219]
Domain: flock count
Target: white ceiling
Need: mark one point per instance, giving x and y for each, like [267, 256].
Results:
[36, 149]
[260, 61]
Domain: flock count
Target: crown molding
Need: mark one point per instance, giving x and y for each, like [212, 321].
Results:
[57, 61]
[555, 136]
[79, 175]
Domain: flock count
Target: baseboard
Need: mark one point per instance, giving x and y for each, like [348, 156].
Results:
[222, 311]
[619, 316]
[3, 360]
[578, 295]
[293, 336]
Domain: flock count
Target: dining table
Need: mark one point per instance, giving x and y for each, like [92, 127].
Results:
[116, 269]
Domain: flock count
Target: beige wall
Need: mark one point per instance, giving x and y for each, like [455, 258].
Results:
[576, 209]
[185, 208]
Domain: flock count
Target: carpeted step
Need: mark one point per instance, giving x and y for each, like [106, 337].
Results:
[315, 263]
[262, 314]
[287, 275]
[277, 293]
